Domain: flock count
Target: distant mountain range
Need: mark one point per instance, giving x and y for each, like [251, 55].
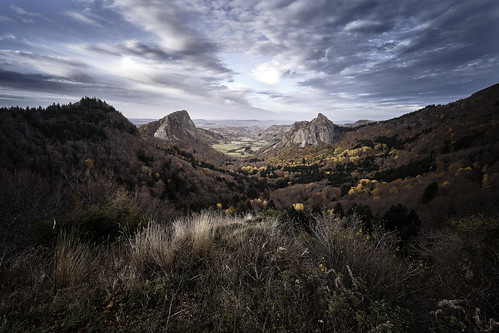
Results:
[203, 123]
[207, 124]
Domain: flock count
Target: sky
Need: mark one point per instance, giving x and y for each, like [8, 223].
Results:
[247, 59]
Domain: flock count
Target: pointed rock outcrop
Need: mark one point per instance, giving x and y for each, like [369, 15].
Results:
[310, 133]
[179, 130]
[177, 126]
[306, 133]
[319, 130]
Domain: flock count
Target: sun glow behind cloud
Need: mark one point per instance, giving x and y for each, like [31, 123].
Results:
[269, 72]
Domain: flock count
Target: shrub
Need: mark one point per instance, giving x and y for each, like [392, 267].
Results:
[461, 265]
[26, 199]
[430, 192]
[405, 222]
[296, 218]
[118, 214]
[343, 241]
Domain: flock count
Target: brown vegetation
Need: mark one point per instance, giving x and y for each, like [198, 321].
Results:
[224, 273]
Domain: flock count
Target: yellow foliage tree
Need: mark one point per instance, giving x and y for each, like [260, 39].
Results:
[298, 206]
[393, 190]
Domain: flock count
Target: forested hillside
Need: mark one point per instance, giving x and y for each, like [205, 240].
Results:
[46, 155]
[442, 161]
[92, 137]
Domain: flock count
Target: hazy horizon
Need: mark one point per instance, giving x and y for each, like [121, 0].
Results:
[240, 122]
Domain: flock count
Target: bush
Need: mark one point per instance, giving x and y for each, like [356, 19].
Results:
[25, 200]
[343, 242]
[461, 267]
[430, 192]
[405, 222]
[102, 210]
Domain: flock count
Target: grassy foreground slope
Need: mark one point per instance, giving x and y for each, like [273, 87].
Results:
[215, 272]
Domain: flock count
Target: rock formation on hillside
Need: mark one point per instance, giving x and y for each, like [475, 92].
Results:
[310, 133]
[177, 126]
[179, 130]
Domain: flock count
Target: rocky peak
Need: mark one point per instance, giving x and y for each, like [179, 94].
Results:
[305, 133]
[176, 126]
[321, 117]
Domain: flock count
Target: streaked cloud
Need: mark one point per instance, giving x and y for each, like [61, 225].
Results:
[5, 19]
[22, 12]
[82, 18]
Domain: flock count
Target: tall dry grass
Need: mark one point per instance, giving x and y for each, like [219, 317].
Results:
[74, 261]
[202, 231]
[160, 247]
[151, 248]
[343, 242]
[212, 272]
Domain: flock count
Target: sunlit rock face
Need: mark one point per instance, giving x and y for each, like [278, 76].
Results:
[305, 133]
[177, 126]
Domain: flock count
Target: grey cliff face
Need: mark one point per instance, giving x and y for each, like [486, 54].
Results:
[177, 126]
[304, 133]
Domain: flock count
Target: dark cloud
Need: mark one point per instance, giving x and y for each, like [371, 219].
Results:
[36, 82]
[413, 38]
[132, 47]
[35, 58]
[76, 85]
[169, 22]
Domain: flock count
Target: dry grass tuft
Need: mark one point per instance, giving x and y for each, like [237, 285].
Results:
[342, 243]
[151, 248]
[203, 230]
[73, 261]
[158, 246]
